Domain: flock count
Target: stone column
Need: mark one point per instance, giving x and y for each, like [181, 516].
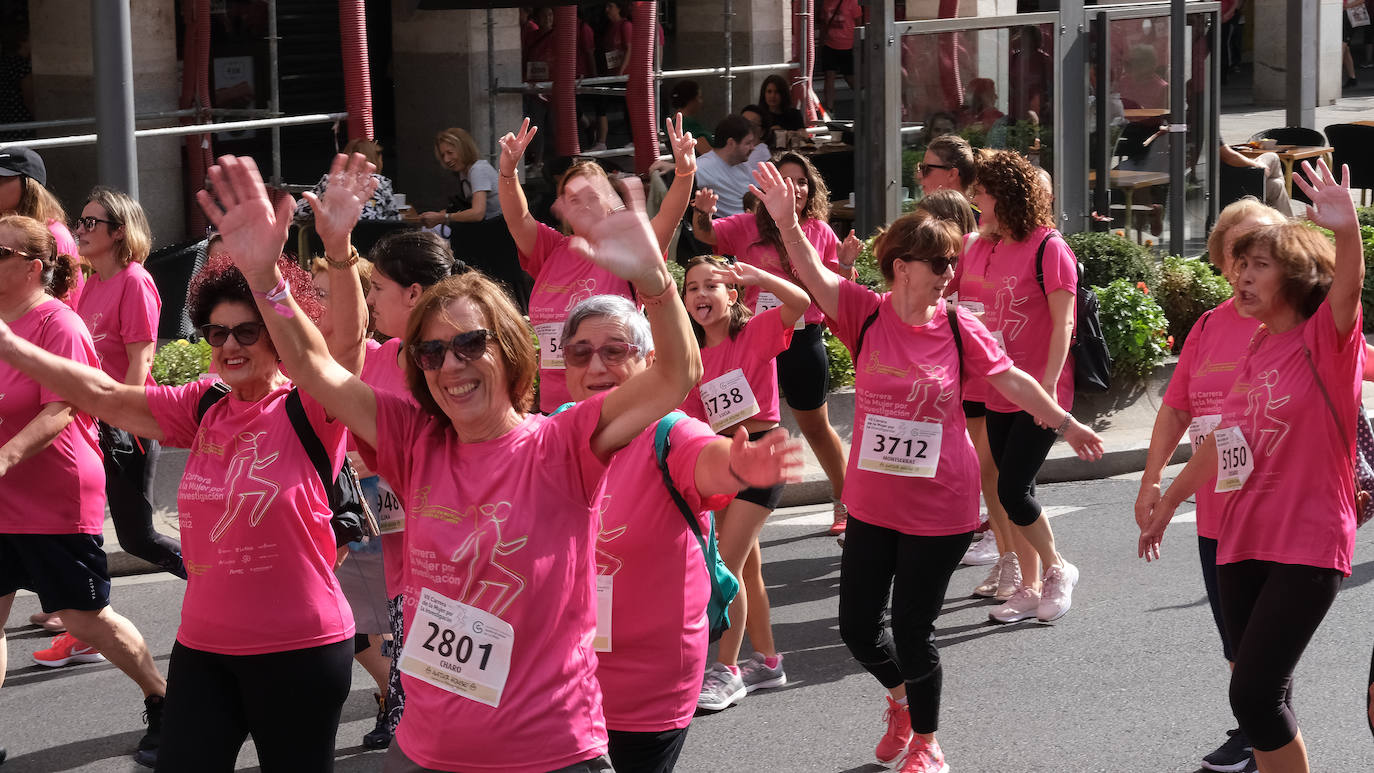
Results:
[1270, 51]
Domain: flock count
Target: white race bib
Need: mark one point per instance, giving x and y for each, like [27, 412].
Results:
[458, 648]
[997, 336]
[536, 71]
[1235, 461]
[972, 307]
[391, 517]
[605, 588]
[910, 449]
[550, 345]
[767, 300]
[1200, 427]
[728, 400]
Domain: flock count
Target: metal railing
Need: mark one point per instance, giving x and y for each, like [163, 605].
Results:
[197, 128]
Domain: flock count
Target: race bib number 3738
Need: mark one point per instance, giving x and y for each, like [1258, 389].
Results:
[458, 648]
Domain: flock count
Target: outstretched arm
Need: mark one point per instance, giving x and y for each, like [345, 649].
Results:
[730, 466]
[680, 192]
[523, 227]
[779, 196]
[255, 232]
[1017, 385]
[351, 185]
[37, 435]
[1332, 208]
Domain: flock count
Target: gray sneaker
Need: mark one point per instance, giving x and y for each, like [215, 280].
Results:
[720, 689]
[758, 676]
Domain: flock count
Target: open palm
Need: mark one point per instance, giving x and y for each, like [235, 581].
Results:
[1331, 206]
[350, 186]
[254, 231]
[778, 194]
[621, 242]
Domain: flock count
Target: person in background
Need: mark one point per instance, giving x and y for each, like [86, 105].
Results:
[23, 191]
[728, 169]
[686, 99]
[776, 100]
[1275, 194]
[539, 57]
[382, 205]
[837, 19]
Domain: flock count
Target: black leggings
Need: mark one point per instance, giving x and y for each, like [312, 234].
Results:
[1207, 554]
[288, 701]
[917, 570]
[1271, 611]
[129, 466]
[1019, 447]
[646, 752]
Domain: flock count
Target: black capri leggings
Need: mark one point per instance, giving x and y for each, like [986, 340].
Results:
[1271, 611]
[288, 701]
[1019, 447]
[804, 369]
[130, 463]
[917, 570]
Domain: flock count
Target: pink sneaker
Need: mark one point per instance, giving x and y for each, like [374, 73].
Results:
[67, 649]
[894, 741]
[922, 757]
[840, 516]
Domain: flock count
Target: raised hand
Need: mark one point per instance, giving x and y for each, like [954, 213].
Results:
[684, 147]
[849, 249]
[254, 231]
[739, 274]
[778, 194]
[772, 459]
[705, 201]
[1331, 206]
[349, 187]
[513, 147]
[621, 242]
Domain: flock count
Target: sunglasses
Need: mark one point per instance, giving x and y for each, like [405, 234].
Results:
[925, 168]
[937, 265]
[579, 355]
[246, 333]
[6, 252]
[88, 223]
[429, 355]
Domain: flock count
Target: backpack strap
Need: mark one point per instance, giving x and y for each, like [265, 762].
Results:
[562, 408]
[952, 311]
[661, 447]
[863, 331]
[310, 441]
[1040, 260]
[209, 397]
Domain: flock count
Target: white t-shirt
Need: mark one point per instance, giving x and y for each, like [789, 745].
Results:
[730, 183]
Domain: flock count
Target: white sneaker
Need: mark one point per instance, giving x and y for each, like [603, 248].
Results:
[1058, 595]
[1022, 605]
[982, 552]
[720, 689]
[1010, 579]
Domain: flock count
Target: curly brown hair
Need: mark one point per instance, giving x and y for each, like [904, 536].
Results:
[817, 206]
[1012, 181]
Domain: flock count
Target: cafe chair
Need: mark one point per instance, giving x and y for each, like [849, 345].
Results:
[1291, 135]
[1237, 182]
[1353, 145]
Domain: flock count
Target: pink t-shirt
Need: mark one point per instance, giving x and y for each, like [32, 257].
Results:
[738, 235]
[1298, 505]
[254, 518]
[504, 525]
[839, 18]
[382, 371]
[911, 373]
[561, 281]
[66, 245]
[651, 677]
[1204, 375]
[754, 351]
[120, 311]
[61, 489]
[999, 276]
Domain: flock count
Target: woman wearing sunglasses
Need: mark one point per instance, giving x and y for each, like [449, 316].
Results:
[561, 278]
[651, 647]
[51, 479]
[910, 446]
[1033, 321]
[500, 532]
[265, 645]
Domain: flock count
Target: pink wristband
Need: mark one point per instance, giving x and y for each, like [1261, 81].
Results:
[277, 297]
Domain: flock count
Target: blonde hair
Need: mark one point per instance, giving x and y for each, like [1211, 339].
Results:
[461, 141]
[127, 214]
[1231, 216]
[369, 148]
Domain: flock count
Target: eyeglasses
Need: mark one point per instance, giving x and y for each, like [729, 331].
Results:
[429, 355]
[937, 265]
[925, 168]
[614, 353]
[88, 223]
[246, 333]
[5, 252]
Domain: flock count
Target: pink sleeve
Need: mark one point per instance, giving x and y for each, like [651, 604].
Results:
[827, 245]
[730, 232]
[399, 425]
[65, 335]
[174, 410]
[765, 334]
[689, 437]
[545, 242]
[139, 310]
[1061, 266]
[574, 428]
[856, 304]
[1176, 394]
[982, 355]
[1339, 359]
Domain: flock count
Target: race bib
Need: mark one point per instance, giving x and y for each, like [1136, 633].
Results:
[767, 300]
[972, 307]
[910, 449]
[728, 400]
[391, 517]
[536, 71]
[1200, 427]
[550, 345]
[614, 59]
[1235, 461]
[605, 587]
[997, 336]
[458, 648]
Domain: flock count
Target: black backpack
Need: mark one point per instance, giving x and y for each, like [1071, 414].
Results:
[352, 519]
[1092, 362]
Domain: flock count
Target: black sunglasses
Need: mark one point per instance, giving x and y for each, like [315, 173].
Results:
[5, 252]
[614, 353]
[89, 223]
[246, 333]
[925, 168]
[937, 265]
[429, 355]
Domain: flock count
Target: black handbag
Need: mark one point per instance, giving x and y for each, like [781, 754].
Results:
[1092, 361]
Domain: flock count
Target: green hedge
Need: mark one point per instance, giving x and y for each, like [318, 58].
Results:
[181, 362]
[1186, 290]
[1107, 256]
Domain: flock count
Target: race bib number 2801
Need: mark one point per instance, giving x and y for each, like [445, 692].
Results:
[458, 648]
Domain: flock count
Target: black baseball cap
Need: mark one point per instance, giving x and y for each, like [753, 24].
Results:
[17, 160]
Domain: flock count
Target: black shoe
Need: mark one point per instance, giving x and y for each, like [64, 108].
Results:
[1231, 756]
[146, 757]
[2, 755]
[380, 737]
[1351, 83]
[152, 739]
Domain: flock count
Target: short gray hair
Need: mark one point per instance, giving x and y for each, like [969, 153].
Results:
[615, 307]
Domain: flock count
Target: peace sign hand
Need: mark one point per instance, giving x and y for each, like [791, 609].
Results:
[684, 146]
[513, 147]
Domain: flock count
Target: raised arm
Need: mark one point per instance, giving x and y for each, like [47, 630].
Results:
[703, 209]
[794, 300]
[779, 196]
[351, 185]
[255, 232]
[730, 466]
[524, 229]
[1332, 208]
[680, 192]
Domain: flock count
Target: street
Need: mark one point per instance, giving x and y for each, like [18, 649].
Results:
[1132, 679]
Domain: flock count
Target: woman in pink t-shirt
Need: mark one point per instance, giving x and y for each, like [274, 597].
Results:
[51, 479]
[804, 369]
[1282, 456]
[651, 631]
[739, 390]
[500, 530]
[1192, 405]
[561, 278]
[910, 446]
[23, 191]
[1031, 314]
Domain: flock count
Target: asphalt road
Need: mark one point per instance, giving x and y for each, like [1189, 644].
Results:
[1131, 679]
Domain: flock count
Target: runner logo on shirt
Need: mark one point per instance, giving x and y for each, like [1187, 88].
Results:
[929, 394]
[584, 289]
[479, 553]
[607, 563]
[1259, 403]
[245, 490]
[1010, 321]
[95, 325]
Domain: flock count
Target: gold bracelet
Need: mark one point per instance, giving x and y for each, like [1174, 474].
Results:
[505, 176]
[349, 262]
